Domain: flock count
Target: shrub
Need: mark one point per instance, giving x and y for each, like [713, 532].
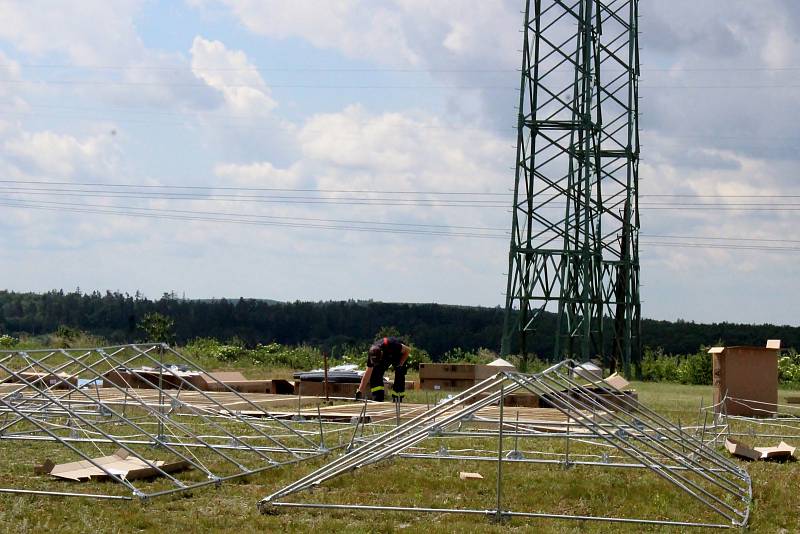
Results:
[277, 355]
[458, 355]
[696, 369]
[693, 369]
[418, 356]
[8, 342]
[789, 368]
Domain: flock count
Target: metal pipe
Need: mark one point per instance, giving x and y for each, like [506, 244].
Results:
[432, 456]
[499, 516]
[490, 513]
[66, 494]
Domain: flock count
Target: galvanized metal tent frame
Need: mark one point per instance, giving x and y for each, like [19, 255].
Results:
[595, 413]
[64, 397]
[774, 421]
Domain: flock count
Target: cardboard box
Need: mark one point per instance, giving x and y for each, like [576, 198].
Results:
[608, 401]
[516, 400]
[148, 378]
[748, 377]
[317, 389]
[242, 386]
[46, 380]
[447, 371]
[446, 384]
[410, 385]
[588, 371]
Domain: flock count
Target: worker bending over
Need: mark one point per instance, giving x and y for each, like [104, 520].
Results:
[384, 353]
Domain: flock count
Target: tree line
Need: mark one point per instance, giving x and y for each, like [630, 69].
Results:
[331, 326]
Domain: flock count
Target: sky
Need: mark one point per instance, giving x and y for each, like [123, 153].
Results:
[364, 149]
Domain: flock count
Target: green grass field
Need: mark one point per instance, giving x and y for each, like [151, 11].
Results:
[433, 483]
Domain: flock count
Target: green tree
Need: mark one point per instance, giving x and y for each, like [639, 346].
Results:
[157, 328]
[392, 331]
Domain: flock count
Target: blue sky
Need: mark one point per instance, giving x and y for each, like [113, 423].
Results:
[316, 99]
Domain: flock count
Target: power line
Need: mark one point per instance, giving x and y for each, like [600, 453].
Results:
[263, 86]
[723, 247]
[368, 201]
[415, 87]
[207, 115]
[348, 225]
[243, 188]
[246, 123]
[362, 191]
[697, 195]
[312, 68]
[726, 238]
[258, 216]
[254, 220]
[273, 199]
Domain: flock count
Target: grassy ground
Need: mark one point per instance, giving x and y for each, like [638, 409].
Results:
[435, 483]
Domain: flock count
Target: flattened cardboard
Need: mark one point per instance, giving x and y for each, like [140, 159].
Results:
[617, 381]
[121, 463]
[737, 448]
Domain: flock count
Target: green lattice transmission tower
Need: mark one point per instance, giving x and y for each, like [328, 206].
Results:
[575, 230]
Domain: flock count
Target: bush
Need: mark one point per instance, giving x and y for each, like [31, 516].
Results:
[659, 367]
[696, 369]
[8, 342]
[458, 355]
[277, 355]
[789, 368]
[352, 355]
[418, 356]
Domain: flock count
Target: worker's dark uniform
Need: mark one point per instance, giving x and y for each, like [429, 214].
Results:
[391, 352]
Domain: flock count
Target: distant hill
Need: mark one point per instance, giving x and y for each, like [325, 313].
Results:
[435, 327]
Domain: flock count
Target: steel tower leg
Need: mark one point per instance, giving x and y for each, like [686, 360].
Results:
[575, 223]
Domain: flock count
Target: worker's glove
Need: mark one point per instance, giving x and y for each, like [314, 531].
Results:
[359, 395]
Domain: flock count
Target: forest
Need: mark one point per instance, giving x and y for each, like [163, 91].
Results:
[330, 326]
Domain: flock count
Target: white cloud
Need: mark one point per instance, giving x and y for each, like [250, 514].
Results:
[695, 142]
[395, 32]
[59, 156]
[354, 27]
[89, 32]
[259, 175]
[230, 73]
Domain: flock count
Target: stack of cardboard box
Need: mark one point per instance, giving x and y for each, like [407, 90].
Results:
[458, 376]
